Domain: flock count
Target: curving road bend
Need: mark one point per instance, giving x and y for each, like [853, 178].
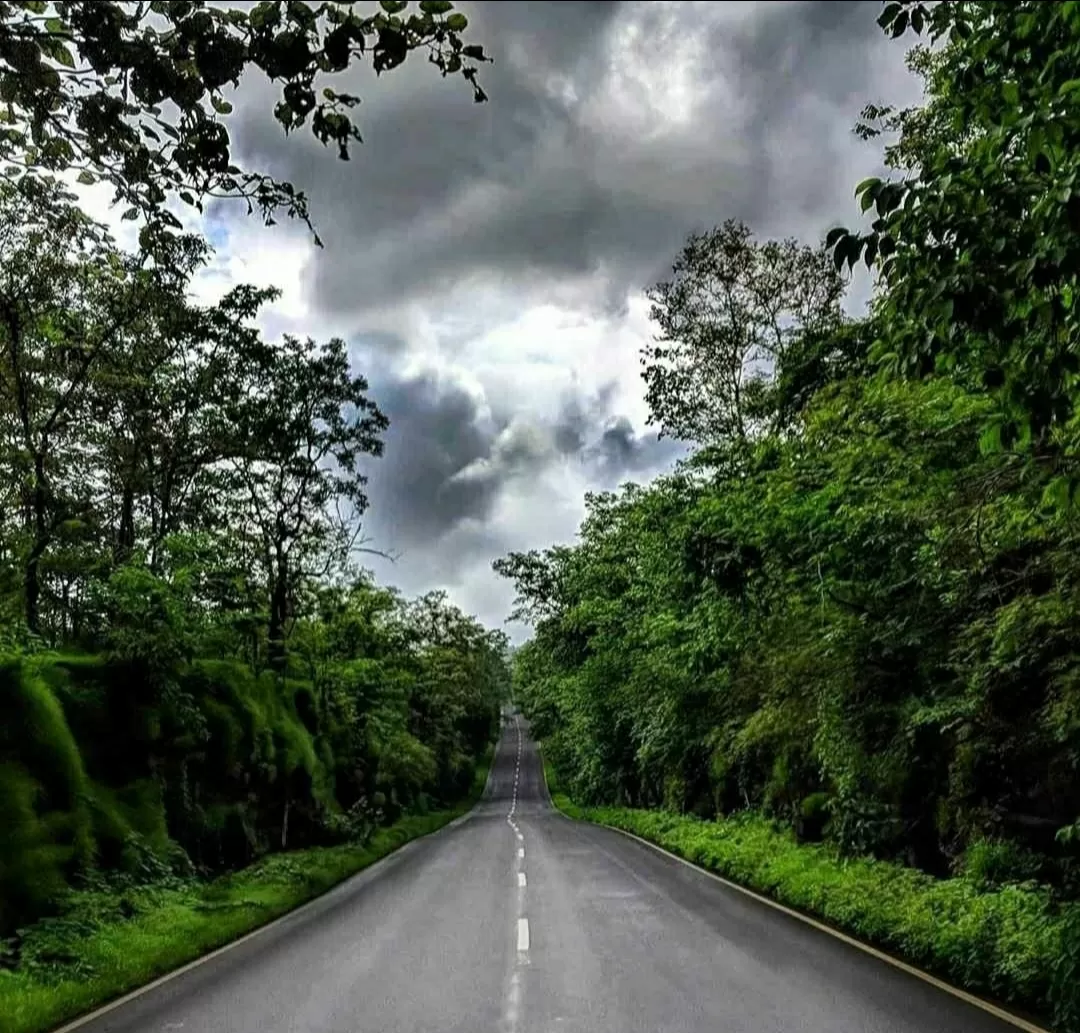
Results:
[517, 920]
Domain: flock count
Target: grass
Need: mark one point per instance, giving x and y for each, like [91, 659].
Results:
[1006, 943]
[106, 944]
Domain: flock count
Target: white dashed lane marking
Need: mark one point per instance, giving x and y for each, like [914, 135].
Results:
[515, 990]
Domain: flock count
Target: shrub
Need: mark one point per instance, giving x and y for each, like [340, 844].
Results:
[996, 862]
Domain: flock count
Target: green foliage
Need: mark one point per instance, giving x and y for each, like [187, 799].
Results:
[991, 863]
[136, 96]
[1066, 984]
[194, 674]
[43, 793]
[1005, 943]
[141, 763]
[846, 611]
[974, 239]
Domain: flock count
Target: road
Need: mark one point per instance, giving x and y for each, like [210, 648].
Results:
[517, 920]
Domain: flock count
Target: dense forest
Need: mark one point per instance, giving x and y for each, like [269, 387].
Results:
[195, 669]
[855, 608]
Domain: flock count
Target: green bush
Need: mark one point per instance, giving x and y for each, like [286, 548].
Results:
[1004, 943]
[997, 862]
[43, 796]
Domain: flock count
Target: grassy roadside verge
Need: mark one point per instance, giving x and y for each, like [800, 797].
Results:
[91, 954]
[1004, 944]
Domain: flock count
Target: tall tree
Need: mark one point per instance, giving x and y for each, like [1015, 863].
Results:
[726, 317]
[70, 305]
[304, 422]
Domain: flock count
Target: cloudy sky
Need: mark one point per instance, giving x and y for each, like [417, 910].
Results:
[486, 262]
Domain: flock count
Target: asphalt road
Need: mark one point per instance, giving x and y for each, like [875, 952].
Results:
[517, 920]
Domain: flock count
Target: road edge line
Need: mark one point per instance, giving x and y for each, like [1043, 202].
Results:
[912, 970]
[139, 991]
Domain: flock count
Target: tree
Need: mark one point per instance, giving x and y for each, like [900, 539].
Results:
[460, 682]
[179, 499]
[726, 317]
[303, 422]
[134, 94]
[70, 305]
[974, 239]
[163, 422]
[847, 611]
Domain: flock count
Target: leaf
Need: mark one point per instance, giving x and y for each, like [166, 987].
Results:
[888, 14]
[221, 106]
[130, 215]
[57, 51]
[870, 255]
[834, 235]
[1059, 492]
[87, 178]
[990, 439]
[457, 22]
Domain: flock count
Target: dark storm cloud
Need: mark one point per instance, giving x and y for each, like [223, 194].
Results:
[621, 453]
[448, 459]
[436, 431]
[566, 189]
[579, 416]
[606, 444]
[543, 183]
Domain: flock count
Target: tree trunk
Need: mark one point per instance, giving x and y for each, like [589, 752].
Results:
[279, 605]
[32, 571]
[125, 535]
